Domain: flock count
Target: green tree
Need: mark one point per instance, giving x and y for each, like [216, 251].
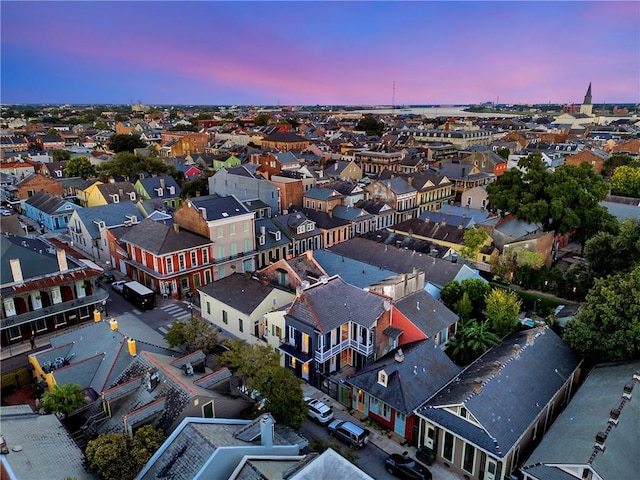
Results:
[128, 165]
[121, 142]
[626, 181]
[282, 392]
[475, 289]
[262, 120]
[610, 253]
[470, 341]
[504, 153]
[560, 201]
[607, 326]
[80, 167]
[60, 155]
[613, 162]
[464, 308]
[115, 456]
[200, 184]
[64, 399]
[514, 259]
[474, 239]
[52, 131]
[370, 125]
[247, 360]
[502, 308]
[195, 334]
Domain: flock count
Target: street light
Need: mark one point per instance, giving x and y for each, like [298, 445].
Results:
[191, 309]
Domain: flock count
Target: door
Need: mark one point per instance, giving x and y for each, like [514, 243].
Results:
[430, 438]
[401, 423]
[491, 470]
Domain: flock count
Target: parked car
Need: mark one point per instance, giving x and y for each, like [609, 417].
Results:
[5, 212]
[406, 468]
[349, 433]
[107, 277]
[318, 410]
[119, 285]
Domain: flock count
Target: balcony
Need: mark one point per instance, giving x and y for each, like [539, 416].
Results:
[366, 350]
[45, 312]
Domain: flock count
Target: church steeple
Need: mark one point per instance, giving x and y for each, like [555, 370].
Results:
[587, 106]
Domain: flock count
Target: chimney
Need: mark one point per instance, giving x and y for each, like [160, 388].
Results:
[266, 431]
[515, 351]
[496, 367]
[176, 227]
[62, 260]
[203, 211]
[121, 192]
[162, 183]
[477, 385]
[626, 393]
[16, 270]
[263, 230]
[531, 335]
[600, 439]
[613, 416]
[399, 356]
[131, 343]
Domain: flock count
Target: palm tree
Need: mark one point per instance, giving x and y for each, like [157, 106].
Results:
[64, 399]
[472, 339]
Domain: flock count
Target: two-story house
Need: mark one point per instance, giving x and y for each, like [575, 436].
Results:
[163, 188]
[229, 224]
[32, 184]
[272, 245]
[167, 259]
[322, 199]
[398, 194]
[43, 289]
[301, 232]
[433, 191]
[244, 184]
[49, 211]
[104, 193]
[332, 325]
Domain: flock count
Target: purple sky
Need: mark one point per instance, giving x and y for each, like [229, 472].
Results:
[327, 53]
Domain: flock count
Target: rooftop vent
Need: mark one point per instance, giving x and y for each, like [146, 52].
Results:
[626, 393]
[399, 356]
[600, 439]
[614, 415]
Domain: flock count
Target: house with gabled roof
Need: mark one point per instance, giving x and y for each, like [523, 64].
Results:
[383, 214]
[601, 422]
[161, 390]
[167, 259]
[32, 184]
[237, 304]
[481, 423]
[244, 184]
[332, 325]
[284, 141]
[464, 177]
[301, 232]
[163, 188]
[49, 211]
[113, 192]
[433, 190]
[390, 389]
[344, 170]
[595, 158]
[271, 243]
[398, 194]
[332, 229]
[322, 199]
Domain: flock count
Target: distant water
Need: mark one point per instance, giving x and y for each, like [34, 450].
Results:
[432, 112]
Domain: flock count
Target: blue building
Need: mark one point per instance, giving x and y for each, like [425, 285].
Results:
[50, 211]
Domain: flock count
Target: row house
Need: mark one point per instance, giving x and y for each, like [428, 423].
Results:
[383, 215]
[330, 326]
[49, 142]
[352, 192]
[12, 144]
[486, 160]
[301, 232]
[229, 224]
[284, 141]
[163, 188]
[87, 227]
[460, 139]
[398, 194]
[98, 193]
[485, 420]
[43, 289]
[272, 245]
[346, 171]
[332, 229]
[432, 191]
[322, 199]
[183, 143]
[361, 221]
[33, 184]
[464, 177]
[291, 189]
[373, 163]
[168, 260]
[237, 304]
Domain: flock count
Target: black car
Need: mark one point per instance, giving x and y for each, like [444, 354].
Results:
[107, 277]
[406, 467]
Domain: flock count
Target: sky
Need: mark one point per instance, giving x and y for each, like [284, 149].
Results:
[319, 52]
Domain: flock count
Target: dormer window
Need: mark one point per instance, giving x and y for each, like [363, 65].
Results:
[172, 190]
[59, 173]
[132, 196]
[115, 198]
[301, 229]
[310, 227]
[278, 236]
[262, 239]
[160, 191]
[382, 378]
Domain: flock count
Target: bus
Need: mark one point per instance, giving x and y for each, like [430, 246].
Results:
[139, 295]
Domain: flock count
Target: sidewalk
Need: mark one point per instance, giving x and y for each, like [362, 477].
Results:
[384, 443]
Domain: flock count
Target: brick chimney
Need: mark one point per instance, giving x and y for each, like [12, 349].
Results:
[16, 270]
[477, 385]
[62, 260]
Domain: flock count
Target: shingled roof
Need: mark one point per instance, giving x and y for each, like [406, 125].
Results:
[159, 239]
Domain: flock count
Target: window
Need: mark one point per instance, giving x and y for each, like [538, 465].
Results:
[181, 261]
[14, 333]
[469, 457]
[240, 325]
[225, 319]
[219, 232]
[310, 227]
[205, 256]
[463, 412]
[208, 308]
[207, 277]
[194, 258]
[9, 307]
[232, 229]
[220, 251]
[247, 245]
[245, 226]
[234, 249]
[169, 265]
[386, 411]
[447, 447]
[60, 320]
[41, 325]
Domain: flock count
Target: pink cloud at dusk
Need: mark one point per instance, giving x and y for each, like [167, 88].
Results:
[319, 52]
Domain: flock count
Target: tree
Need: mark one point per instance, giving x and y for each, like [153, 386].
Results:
[128, 165]
[626, 181]
[190, 188]
[115, 456]
[502, 308]
[610, 253]
[504, 153]
[476, 290]
[514, 259]
[560, 201]
[474, 239]
[247, 360]
[262, 120]
[370, 125]
[64, 399]
[607, 326]
[613, 162]
[52, 131]
[195, 334]
[464, 308]
[121, 142]
[283, 396]
[472, 339]
[80, 167]
[60, 155]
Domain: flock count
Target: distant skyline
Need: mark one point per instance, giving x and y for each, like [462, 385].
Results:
[325, 53]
